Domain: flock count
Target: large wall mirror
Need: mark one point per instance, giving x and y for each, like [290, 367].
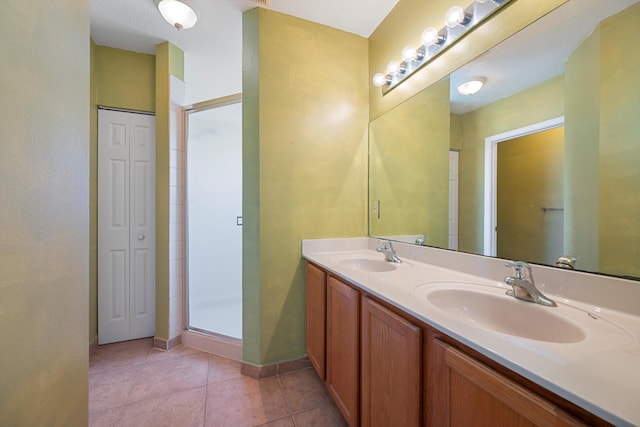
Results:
[542, 162]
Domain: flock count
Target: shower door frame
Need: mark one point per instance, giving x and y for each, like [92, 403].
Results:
[195, 108]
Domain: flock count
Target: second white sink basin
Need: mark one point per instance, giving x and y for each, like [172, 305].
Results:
[366, 264]
[506, 315]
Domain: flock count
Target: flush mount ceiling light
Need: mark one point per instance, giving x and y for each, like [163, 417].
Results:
[179, 13]
[472, 86]
[457, 23]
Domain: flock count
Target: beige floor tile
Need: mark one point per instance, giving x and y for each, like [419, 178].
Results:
[180, 409]
[222, 369]
[120, 354]
[171, 375]
[157, 355]
[109, 388]
[103, 417]
[304, 390]
[324, 416]
[282, 422]
[244, 402]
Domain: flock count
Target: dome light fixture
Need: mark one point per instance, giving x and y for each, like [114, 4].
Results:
[179, 13]
[472, 86]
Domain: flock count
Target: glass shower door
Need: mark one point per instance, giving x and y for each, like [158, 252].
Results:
[214, 217]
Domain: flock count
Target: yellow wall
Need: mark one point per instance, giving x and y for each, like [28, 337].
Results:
[125, 79]
[44, 214]
[305, 166]
[530, 177]
[542, 102]
[409, 168]
[404, 26]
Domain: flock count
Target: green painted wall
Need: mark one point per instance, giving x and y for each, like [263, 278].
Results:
[530, 177]
[582, 131]
[409, 167]
[305, 166]
[119, 79]
[620, 144]
[542, 102]
[125, 79]
[604, 177]
[404, 26]
[44, 214]
[93, 196]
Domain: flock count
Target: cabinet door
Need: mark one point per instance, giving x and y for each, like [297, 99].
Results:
[477, 396]
[316, 319]
[391, 368]
[342, 347]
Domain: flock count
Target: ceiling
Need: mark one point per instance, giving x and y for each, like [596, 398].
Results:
[136, 25]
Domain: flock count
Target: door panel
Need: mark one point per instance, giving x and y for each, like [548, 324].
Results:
[126, 226]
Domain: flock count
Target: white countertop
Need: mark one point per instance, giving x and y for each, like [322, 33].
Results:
[600, 373]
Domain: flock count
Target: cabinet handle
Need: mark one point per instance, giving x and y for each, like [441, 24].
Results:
[141, 237]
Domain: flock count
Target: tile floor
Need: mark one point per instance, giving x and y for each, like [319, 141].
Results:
[133, 384]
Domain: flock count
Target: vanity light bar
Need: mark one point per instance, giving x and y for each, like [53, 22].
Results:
[458, 22]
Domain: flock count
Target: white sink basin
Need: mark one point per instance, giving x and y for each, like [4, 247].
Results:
[366, 264]
[506, 315]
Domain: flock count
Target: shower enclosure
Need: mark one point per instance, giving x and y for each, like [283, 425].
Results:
[213, 205]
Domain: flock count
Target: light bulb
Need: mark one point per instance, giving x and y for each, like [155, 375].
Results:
[409, 54]
[454, 17]
[481, 1]
[394, 67]
[430, 37]
[380, 79]
[472, 86]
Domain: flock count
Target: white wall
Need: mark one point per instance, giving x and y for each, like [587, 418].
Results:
[215, 70]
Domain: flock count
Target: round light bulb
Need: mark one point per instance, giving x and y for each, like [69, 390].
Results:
[471, 87]
[393, 67]
[430, 36]
[454, 17]
[379, 79]
[481, 1]
[409, 53]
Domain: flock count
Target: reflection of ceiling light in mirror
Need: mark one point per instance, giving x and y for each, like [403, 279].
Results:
[472, 86]
[178, 13]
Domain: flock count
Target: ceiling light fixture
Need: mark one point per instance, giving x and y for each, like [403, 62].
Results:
[472, 86]
[179, 13]
[457, 23]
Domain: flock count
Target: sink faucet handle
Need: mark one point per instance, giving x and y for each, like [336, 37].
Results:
[519, 268]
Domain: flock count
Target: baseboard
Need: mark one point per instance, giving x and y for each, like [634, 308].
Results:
[279, 368]
[167, 345]
[230, 348]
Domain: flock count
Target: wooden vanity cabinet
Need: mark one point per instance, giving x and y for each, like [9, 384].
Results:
[391, 369]
[316, 297]
[385, 368]
[342, 355]
[463, 392]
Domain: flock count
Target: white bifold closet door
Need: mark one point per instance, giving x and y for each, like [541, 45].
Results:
[126, 226]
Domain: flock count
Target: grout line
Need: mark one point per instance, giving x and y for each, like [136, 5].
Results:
[284, 394]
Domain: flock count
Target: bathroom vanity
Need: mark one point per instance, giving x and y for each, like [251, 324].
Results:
[435, 341]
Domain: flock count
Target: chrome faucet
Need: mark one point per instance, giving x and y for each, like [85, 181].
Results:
[388, 251]
[566, 261]
[524, 287]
